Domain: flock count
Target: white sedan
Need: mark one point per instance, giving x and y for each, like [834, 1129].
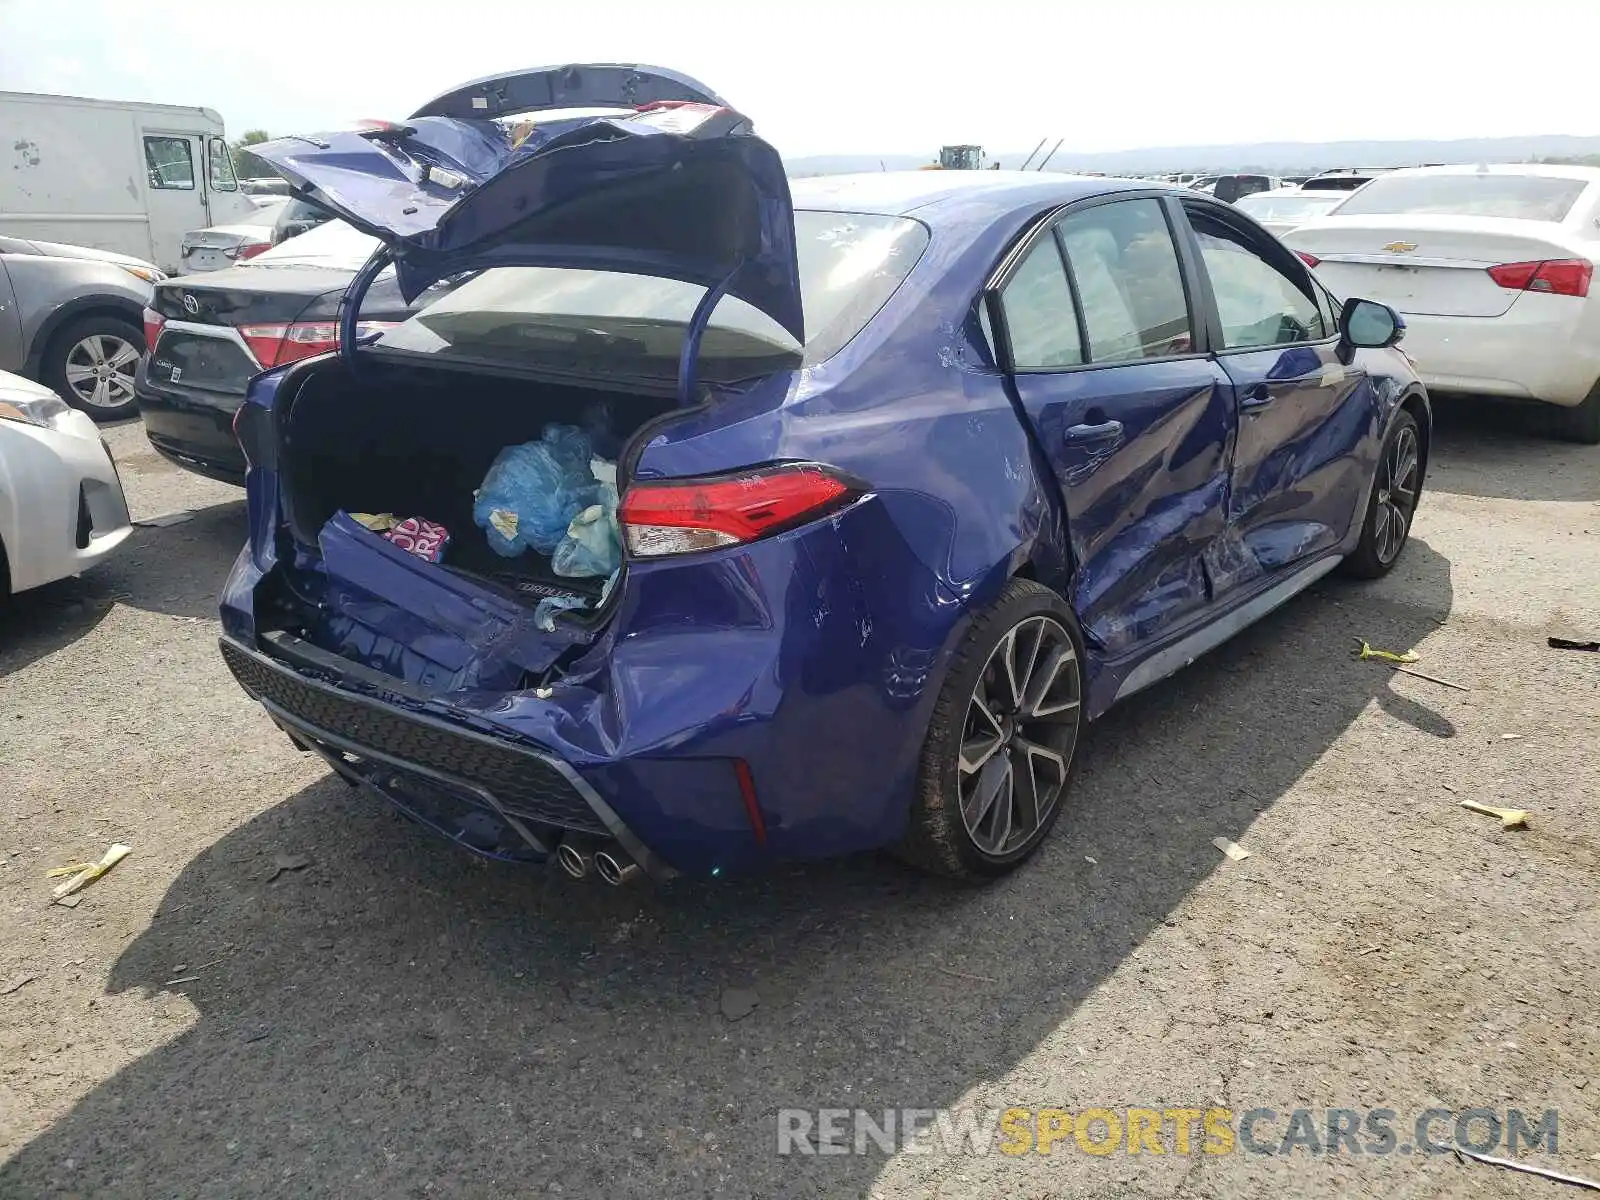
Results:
[1492, 267]
[1286, 208]
[61, 504]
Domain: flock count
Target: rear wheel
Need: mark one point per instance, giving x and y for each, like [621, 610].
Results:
[1001, 746]
[1393, 502]
[90, 365]
[1581, 424]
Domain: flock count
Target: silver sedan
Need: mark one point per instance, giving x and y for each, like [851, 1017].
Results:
[72, 318]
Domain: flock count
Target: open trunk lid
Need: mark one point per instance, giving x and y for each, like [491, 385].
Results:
[1427, 265]
[680, 189]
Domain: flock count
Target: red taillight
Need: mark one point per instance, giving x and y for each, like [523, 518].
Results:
[676, 516]
[1310, 260]
[153, 321]
[274, 345]
[1515, 276]
[1553, 277]
[251, 249]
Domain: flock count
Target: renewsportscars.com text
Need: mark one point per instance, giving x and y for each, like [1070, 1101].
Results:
[1181, 1131]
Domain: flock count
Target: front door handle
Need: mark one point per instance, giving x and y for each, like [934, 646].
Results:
[1256, 397]
[1102, 432]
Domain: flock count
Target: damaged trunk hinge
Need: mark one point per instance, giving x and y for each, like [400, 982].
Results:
[689, 356]
[350, 304]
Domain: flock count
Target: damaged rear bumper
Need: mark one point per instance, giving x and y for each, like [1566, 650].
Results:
[460, 783]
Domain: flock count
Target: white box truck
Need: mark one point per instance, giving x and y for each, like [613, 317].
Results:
[114, 175]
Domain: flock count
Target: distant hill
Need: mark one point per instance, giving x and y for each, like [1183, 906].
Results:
[1271, 157]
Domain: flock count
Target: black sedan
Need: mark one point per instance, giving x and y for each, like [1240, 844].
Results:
[208, 334]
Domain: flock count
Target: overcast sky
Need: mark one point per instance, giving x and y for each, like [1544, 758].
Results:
[823, 76]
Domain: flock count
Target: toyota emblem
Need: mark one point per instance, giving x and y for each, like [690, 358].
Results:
[190, 304]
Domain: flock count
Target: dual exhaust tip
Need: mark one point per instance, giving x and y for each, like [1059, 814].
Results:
[610, 863]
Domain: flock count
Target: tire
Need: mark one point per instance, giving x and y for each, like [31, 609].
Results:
[97, 346]
[1380, 546]
[1034, 628]
[1581, 424]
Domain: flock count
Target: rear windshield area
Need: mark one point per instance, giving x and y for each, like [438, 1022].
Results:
[633, 325]
[1265, 207]
[1522, 197]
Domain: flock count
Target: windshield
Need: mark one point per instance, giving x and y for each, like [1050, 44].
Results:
[1294, 207]
[633, 326]
[1480, 194]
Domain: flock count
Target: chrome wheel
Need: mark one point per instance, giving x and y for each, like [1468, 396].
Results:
[99, 370]
[1396, 499]
[1019, 735]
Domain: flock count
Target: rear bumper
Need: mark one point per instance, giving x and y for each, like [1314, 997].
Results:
[68, 499]
[192, 428]
[1540, 349]
[411, 756]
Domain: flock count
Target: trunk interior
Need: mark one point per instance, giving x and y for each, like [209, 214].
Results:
[417, 443]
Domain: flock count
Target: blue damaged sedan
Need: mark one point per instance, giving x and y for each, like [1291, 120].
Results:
[863, 497]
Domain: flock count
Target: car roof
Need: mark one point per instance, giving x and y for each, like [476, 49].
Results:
[900, 193]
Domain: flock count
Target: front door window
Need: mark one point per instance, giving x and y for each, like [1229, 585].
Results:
[170, 163]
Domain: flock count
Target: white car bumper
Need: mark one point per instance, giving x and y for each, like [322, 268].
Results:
[62, 509]
[1543, 348]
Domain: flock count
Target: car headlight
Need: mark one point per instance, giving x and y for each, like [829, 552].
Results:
[148, 274]
[43, 411]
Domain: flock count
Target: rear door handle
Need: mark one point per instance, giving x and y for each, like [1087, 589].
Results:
[1103, 432]
[1256, 397]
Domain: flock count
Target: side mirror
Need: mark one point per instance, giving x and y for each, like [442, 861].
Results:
[1368, 325]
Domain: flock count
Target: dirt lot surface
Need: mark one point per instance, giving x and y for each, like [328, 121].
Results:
[396, 1020]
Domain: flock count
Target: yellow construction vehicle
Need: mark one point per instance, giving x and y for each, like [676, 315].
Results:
[958, 158]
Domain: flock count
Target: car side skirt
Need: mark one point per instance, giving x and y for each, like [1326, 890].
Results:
[1184, 651]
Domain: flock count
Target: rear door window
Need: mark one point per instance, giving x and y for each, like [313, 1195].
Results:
[170, 163]
[1041, 320]
[1258, 304]
[1128, 282]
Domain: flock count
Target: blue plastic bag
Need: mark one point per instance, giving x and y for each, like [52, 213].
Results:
[593, 543]
[590, 547]
[531, 492]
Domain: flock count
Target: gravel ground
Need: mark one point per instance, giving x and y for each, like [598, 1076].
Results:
[397, 1020]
